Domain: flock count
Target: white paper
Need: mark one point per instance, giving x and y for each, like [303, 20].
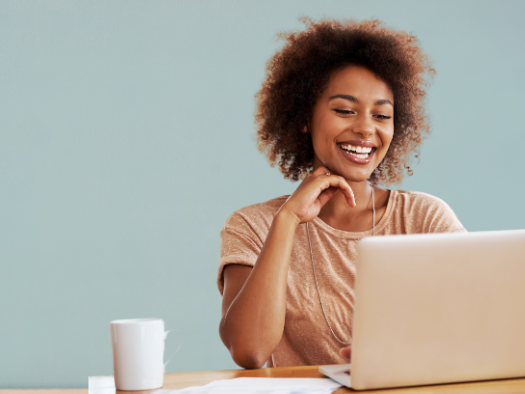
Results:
[101, 385]
[262, 386]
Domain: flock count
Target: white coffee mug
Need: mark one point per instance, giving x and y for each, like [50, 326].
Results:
[138, 353]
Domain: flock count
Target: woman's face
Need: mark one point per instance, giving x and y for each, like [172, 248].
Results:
[352, 123]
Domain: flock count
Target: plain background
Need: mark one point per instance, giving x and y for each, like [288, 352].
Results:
[126, 140]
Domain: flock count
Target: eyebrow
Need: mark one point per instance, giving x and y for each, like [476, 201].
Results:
[355, 100]
[383, 102]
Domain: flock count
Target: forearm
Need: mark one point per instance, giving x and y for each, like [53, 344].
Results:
[254, 323]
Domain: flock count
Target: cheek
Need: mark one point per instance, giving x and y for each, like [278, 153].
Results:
[320, 145]
[386, 137]
[322, 136]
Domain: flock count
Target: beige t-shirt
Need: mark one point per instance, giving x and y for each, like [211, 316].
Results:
[306, 338]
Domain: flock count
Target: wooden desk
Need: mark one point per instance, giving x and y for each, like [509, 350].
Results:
[187, 379]
[181, 380]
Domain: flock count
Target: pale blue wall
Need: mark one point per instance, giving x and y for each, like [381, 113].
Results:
[126, 141]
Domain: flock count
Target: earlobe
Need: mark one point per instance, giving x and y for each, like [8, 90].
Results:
[306, 126]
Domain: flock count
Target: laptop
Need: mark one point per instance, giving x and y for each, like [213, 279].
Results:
[437, 308]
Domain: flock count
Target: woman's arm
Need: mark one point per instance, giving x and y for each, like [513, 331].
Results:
[254, 299]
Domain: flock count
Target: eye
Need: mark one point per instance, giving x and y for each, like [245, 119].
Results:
[383, 117]
[344, 111]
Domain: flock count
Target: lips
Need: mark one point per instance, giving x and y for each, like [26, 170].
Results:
[358, 152]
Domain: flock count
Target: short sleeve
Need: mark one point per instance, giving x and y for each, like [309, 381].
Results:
[431, 214]
[240, 244]
[445, 220]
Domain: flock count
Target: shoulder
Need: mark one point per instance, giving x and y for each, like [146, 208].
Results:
[420, 200]
[244, 233]
[426, 212]
[258, 216]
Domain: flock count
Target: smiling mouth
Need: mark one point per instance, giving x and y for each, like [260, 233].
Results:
[359, 152]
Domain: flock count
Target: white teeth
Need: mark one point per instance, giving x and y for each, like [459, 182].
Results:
[355, 150]
[364, 156]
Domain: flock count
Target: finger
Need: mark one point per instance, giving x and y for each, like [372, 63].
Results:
[342, 184]
[351, 199]
[326, 195]
[346, 352]
[321, 170]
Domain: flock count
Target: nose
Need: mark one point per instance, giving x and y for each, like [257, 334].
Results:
[363, 126]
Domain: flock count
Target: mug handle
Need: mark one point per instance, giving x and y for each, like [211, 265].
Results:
[178, 348]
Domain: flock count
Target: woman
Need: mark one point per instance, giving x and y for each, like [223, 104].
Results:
[341, 109]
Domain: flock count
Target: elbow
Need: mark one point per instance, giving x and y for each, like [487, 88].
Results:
[245, 352]
[249, 358]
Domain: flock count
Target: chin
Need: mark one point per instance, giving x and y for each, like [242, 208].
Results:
[357, 174]
[353, 177]
[350, 172]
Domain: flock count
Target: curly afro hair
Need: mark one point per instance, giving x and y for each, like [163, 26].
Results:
[301, 70]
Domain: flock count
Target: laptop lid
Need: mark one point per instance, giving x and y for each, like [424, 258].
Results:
[438, 308]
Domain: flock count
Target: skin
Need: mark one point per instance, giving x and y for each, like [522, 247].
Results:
[254, 299]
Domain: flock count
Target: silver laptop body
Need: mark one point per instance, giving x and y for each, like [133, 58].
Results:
[437, 308]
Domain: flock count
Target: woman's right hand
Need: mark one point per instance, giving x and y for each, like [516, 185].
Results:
[314, 192]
